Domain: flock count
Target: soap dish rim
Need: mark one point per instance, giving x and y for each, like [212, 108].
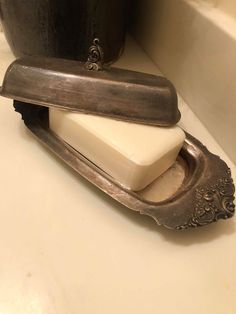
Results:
[206, 196]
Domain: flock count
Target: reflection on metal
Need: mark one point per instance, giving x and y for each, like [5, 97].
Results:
[206, 194]
[115, 93]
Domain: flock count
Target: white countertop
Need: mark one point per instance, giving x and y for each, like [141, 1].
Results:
[65, 247]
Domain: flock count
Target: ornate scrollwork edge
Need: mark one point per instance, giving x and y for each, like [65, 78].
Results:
[212, 203]
[95, 57]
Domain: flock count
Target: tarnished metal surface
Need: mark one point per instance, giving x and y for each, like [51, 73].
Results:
[116, 93]
[95, 59]
[206, 195]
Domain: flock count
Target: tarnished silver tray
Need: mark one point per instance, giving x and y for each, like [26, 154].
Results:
[205, 195]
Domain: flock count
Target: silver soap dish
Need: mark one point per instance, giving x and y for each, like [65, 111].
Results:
[205, 195]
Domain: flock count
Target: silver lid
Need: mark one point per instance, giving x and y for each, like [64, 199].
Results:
[111, 92]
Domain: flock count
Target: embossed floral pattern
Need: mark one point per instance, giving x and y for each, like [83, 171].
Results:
[212, 203]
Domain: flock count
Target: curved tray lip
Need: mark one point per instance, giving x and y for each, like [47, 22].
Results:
[206, 196]
[22, 83]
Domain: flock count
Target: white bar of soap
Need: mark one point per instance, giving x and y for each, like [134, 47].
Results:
[133, 154]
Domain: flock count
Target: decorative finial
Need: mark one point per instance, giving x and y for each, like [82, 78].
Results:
[95, 58]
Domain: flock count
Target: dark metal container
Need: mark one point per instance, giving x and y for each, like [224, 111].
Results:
[64, 28]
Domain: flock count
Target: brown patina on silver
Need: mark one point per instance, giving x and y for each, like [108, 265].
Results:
[207, 191]
[206, 195]
[115, 93]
